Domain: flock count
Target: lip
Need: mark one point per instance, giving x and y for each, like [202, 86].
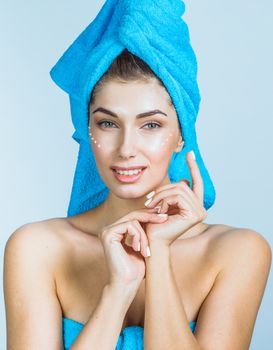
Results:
[127, 178]
[129, 168]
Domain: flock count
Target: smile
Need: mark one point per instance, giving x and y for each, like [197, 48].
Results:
[128, 176]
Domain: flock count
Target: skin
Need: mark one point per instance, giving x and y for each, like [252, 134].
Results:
[58, 265]
[126, 141]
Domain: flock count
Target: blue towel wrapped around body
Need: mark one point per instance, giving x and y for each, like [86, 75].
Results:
[131, 338]
[154, 31]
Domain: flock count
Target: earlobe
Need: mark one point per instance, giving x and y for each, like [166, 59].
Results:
[179, 146]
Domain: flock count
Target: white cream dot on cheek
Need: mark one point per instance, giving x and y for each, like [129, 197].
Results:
[154, 144]
[92, 139]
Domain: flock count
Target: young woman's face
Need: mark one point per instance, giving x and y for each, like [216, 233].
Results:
[121, 137]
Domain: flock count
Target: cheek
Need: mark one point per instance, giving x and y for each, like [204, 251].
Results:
[102, 151]
[102, 146]
[161, 147]
[158, 146]
[98, 143]
[103, 158]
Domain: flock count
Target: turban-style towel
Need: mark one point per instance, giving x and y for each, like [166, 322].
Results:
[154, 31]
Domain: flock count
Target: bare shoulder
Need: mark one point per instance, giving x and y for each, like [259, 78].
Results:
[33, 312]
[33, 244]
[54, 239]
[235, 244]
[41, 238]
[244, 258]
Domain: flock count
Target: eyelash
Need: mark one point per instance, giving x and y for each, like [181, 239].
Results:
[108, 121]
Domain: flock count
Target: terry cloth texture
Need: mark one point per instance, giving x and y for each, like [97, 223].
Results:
[154, 31]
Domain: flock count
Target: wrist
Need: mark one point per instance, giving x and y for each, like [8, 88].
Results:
[157, 245]
[119, 291]
[159, 252]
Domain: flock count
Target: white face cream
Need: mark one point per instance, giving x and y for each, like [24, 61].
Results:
[121, 136]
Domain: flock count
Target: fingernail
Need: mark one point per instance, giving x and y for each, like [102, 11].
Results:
[149, 195]
[138, 247]
[192, 154]
[162, 215]
[148, 251]
[148, 201]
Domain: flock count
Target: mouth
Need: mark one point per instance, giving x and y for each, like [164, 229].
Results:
[129, 176]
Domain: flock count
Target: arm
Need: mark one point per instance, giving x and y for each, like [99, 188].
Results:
[103, 328]
[166, 324]
[227, 316]
[33, 311]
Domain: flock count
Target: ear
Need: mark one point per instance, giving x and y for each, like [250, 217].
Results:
[179, 145]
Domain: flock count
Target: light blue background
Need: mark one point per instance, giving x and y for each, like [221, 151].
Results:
[234, 49]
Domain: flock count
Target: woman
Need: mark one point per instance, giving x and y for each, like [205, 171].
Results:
[88, 281]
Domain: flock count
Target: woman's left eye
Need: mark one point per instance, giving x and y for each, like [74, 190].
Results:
[152, 123]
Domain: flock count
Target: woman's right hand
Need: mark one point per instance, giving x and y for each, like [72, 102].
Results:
[120, 241]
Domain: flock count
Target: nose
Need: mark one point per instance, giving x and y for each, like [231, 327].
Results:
[128, 144]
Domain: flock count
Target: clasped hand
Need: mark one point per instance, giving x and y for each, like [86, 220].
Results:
[183, 205]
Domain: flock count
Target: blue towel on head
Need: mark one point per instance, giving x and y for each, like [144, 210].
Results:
[154, 31]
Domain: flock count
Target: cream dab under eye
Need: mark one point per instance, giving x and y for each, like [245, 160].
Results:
[109, 122]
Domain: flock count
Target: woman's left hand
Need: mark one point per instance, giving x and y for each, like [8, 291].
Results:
[183, 205]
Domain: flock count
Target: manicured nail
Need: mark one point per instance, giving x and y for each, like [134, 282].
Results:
[192, 154]
[149, 195]
[148, 202]
[148, 251]
[138, 247]
[162, 215]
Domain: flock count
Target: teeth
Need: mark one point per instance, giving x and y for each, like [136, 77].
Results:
[130, 172]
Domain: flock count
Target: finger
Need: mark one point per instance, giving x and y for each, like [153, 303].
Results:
[143, 240]
[134, 218]
[140, 240]
[176, 201]
[164, 208]
[188, 192]
[168, 186]
[144, 215]
[187, 182]
[115, 232]
[159, 207]
[132, 237]
[173, 191]
[134, 232]
[122, 231]
[164, 187]
[197, 181]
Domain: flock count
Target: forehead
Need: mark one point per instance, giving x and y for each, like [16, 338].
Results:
[139, 95]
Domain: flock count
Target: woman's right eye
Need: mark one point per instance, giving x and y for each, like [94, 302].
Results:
[104, 121]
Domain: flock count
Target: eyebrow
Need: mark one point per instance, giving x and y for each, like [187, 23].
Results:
[138, 116]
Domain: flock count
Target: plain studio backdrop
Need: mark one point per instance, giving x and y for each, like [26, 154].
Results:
[233, 43]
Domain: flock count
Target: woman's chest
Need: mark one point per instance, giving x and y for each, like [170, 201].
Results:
[83, 276]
